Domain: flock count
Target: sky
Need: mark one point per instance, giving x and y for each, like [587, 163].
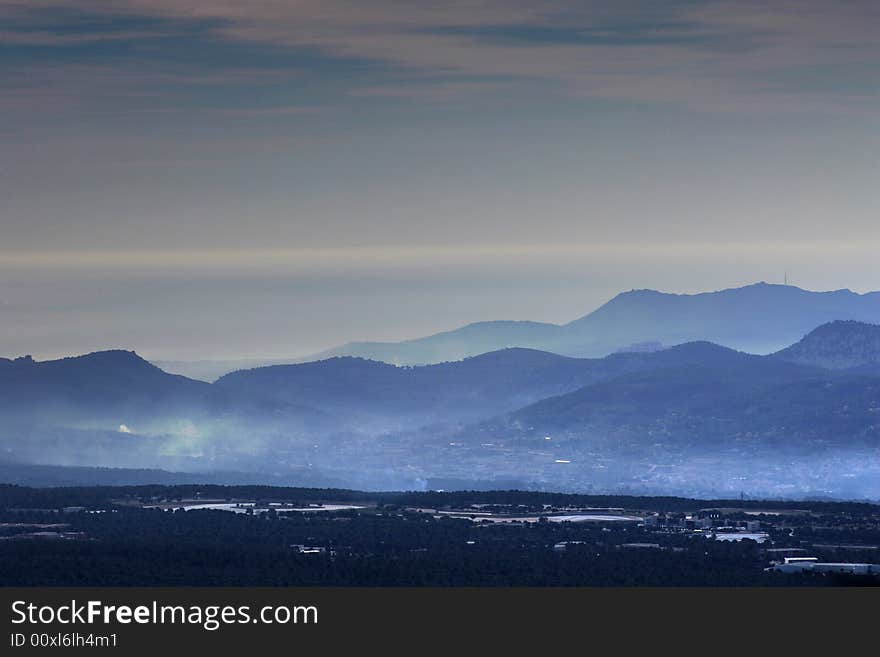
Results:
[198, 179]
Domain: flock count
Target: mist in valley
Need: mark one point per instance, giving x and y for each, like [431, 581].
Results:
[697, 419]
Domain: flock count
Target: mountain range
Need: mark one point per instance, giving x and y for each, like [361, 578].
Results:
[681, 418]
[759, 318]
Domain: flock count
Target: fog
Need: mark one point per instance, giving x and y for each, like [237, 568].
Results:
[288, 304]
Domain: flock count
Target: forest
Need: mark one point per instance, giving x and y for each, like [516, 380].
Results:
[109, 536]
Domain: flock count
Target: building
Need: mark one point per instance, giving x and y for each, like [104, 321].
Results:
[813, 565]
[561, 547]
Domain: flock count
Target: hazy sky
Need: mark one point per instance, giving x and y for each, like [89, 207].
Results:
[218, 178]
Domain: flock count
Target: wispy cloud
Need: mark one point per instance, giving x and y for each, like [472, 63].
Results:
[259, 112]
[410, 255]
[716, 55]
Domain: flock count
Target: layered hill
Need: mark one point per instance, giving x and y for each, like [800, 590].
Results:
[688, 414]
[116, 407]
[759, 318]
[744, 403]
[108, 383]
[378, 396]
[839, 345]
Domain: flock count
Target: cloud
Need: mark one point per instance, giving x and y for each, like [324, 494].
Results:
[730, 55]
[436, 91]
[258, 112]
[47, 38]
[411, 256]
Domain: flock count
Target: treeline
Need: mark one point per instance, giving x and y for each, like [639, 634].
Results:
[13, 496]
[147, 547]
[460, 499]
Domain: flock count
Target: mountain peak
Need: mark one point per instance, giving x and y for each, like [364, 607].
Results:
[105, 358]
[842, 327]
[112, 356]
[639, 293]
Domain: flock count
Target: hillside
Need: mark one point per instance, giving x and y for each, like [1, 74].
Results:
[838, 345]
[108, 383]
[379, 396]
[756, 403]
[115, 408]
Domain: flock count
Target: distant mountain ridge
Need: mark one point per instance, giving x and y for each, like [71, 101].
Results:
[760, 318]
[693, 413]
[105, 390]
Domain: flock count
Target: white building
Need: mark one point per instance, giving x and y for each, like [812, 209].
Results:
[813, 565]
